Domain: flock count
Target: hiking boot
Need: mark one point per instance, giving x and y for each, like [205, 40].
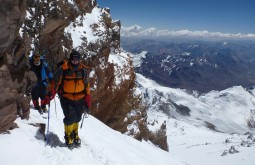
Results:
[77, 141]
[44, 109]
[69, 138]
[36, 106]
[69, 141]
[39, 109]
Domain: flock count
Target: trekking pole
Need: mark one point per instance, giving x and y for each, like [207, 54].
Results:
[55, 107]
[84, 115]
[48, 126]
[82, 119]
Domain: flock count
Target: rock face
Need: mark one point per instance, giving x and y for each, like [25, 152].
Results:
[14, 78]
[53, 28]
[47, 27]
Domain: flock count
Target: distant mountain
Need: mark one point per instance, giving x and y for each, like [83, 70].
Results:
[195, 64]
[224, 111]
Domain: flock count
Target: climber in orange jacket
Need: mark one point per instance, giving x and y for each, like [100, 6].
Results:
[71, 81]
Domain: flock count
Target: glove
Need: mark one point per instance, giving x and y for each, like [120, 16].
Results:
[51, 94]
[47, 100]
[87, 102]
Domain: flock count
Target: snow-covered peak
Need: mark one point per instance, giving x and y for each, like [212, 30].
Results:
[208, 129]
[137, 58]
[227, 110]
[82, 30]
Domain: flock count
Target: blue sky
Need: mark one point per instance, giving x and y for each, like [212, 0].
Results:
[226, 16]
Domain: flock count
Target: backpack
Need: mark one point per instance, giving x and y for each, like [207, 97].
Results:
[69, 83]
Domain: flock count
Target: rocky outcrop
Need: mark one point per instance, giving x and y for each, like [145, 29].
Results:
[48, 27]
[114, 102]
[14, 79]
[53, 29]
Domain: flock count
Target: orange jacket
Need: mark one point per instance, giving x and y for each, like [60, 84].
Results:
[70, 84]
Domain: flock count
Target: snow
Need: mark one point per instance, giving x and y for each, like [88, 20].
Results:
[202, 146]
[100, 145]
[198, 145]
[188, 138]
[189, 144]
[83, 28]
[137, 58]
[120, 61]
[226, 109]
[189, 141]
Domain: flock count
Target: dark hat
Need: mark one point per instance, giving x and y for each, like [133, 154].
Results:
[75, 54]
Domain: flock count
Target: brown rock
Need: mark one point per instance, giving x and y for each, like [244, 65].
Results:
[7, 115]
[13, 61]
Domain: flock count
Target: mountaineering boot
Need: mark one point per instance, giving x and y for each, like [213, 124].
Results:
[44, 109]
[36, 106]
[43, 105]
[77, 140]
[69, 136]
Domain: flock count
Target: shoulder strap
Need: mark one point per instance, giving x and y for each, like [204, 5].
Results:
[85, 69]
[44, 64]
[65, 67]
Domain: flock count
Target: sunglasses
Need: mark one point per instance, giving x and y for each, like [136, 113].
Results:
[75, 59]
[36, 57]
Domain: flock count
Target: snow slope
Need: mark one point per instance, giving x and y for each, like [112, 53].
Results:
[100, 145]
[197, 145]
[189, 141]
[227, 109]
[188, 137]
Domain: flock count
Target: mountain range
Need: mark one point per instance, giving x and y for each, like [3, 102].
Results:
[154, 100]
[194, 64]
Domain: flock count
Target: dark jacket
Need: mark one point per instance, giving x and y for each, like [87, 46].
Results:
[42, 72]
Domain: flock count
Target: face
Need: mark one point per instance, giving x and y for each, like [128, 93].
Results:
[75, 61]
[36, 59]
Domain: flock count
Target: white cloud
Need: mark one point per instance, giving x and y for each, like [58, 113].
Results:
[138, 31]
